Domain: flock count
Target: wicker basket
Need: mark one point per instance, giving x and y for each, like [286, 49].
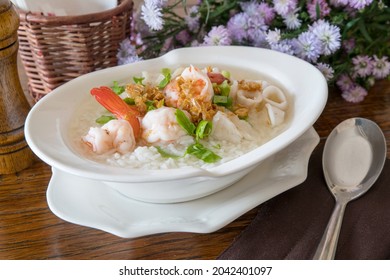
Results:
[57, 49]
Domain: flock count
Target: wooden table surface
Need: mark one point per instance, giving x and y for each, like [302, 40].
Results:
[29, 230]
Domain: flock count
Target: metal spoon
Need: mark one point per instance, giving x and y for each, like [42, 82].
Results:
[353, 158]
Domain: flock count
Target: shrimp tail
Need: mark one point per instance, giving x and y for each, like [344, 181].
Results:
[113, 103]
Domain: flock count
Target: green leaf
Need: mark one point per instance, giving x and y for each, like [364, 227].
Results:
[167, 77]
[104, 119]
[199, 151]
[220, 10]
[351, 23]
[203, 129]
[363, 30]
[383, 17]
[150, 105]
[185, 122]
[318, 10]
[138, 80]
[129, 101]
[165, 154]
[117, 88]
[208, 11]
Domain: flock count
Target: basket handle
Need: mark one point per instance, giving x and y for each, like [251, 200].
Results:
[30, 17]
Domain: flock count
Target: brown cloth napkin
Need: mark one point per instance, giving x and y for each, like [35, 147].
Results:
[290, 226]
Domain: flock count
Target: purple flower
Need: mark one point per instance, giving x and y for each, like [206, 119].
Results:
[381, 67]
[218, 36]
[152, 15]
[307, 46]
[167, 46]
[328, 34]
[139, 24]
[257, 31]
[326, 70]
[363, 66]
[312, 9]
[359, 4]
[262, 10]
[195, 43]
[162, 3]
[273, 36]
[128, 60]
[339, 3]
[183, 37]
[291, 20]
[238, 27]
[250, 8]
[355, 94]
[283, 7]
[349, 45]
[283, 46]
[344, 82]
[192, 19]
[127, 53]
[266, 12]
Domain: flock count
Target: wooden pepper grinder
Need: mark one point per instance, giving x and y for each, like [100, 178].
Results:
[15, 155]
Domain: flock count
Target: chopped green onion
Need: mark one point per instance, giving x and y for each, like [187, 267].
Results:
[167, 77]
[165, 154]
[229, 103]
[117, 88]
[224, 88]
[225, 101]
[199, 151]
[129, 101]
[185, 122]
[138, 80]
[226, 74]
[203, 129]
[104, 119]
[220, 99]
[217, 146]
[150, 105]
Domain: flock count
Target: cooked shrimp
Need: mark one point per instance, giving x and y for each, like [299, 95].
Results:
[193, 83]
[116, 135]
[113, 103]
[172, 92]
[160, 125]
[201, 83]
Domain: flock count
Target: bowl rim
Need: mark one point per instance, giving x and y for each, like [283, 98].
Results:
[120, 174]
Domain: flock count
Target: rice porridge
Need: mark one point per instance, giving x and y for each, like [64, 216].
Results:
[173, 118]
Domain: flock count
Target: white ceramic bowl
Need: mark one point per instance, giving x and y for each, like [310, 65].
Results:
[47, 125]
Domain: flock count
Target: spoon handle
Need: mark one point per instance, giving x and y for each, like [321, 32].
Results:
[326, 250]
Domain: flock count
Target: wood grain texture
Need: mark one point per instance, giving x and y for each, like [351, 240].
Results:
[14, 152]
[28, 229]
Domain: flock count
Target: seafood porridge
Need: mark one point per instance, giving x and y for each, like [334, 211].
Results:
[178, 117]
